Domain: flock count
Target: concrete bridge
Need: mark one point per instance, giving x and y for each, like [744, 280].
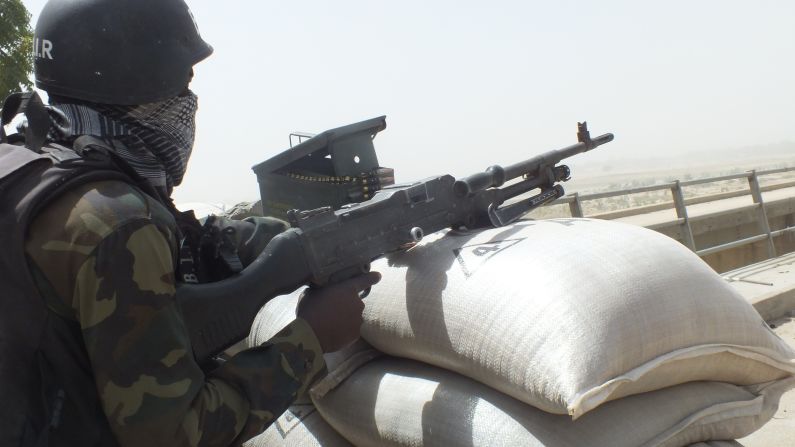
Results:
[748, 237]
[728, 230]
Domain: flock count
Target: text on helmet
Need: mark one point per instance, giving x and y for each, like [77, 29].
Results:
[42, 48]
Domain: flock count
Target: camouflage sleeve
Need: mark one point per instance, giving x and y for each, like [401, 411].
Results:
[151, 389]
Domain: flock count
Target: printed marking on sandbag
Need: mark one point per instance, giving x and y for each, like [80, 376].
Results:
[472, 257]
[292, 418]
[566, 222]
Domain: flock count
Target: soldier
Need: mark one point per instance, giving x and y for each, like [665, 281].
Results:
[108, 361]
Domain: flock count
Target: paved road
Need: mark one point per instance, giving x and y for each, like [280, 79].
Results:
[780, 431]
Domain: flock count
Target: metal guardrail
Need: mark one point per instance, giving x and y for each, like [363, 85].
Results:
[680, 204]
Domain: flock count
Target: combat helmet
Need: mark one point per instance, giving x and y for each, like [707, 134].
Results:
[116, 51]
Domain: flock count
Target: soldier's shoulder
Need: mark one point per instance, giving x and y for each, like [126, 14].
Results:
[88, 213]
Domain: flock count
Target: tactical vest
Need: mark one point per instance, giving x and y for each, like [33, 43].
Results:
[38, 407]
[47, 398]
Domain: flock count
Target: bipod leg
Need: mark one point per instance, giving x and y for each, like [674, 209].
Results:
[510, 213]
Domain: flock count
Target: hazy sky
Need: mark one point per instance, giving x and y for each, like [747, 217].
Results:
[467, 84]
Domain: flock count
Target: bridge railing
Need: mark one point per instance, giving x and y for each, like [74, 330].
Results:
[680, 204]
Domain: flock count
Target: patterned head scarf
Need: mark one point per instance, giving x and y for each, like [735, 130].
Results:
[157, 137]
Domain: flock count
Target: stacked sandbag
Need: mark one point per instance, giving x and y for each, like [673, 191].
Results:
[273, 317]
[280, 311]
[299, 426]
[567, 314]
[717, 444]
[397, 402]
[564, 332]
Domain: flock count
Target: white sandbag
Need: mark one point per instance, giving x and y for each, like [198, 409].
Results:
[398, 402]
[567, 314]
[717, 444]
[273, 317]
[299, 426]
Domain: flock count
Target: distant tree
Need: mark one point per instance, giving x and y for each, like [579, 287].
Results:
[16, 46]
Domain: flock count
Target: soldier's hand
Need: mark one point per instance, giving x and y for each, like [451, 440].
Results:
[335, 312]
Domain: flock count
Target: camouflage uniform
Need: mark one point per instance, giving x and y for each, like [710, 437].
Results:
[104, 257]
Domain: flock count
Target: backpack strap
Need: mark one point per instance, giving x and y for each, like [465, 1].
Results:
[29, 104]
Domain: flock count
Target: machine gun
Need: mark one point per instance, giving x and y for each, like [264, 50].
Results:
[327, 246]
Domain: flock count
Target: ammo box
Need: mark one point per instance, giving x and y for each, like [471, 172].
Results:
[333, 168]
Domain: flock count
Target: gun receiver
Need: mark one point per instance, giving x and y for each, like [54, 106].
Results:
[326, 246]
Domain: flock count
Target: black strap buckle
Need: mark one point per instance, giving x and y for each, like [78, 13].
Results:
[31, 105]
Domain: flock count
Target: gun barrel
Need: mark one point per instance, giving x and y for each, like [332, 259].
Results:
[495, 175]
[554, 157]
[492, 176]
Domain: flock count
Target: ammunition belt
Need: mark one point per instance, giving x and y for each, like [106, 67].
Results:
[364, 179]
[363, 185]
